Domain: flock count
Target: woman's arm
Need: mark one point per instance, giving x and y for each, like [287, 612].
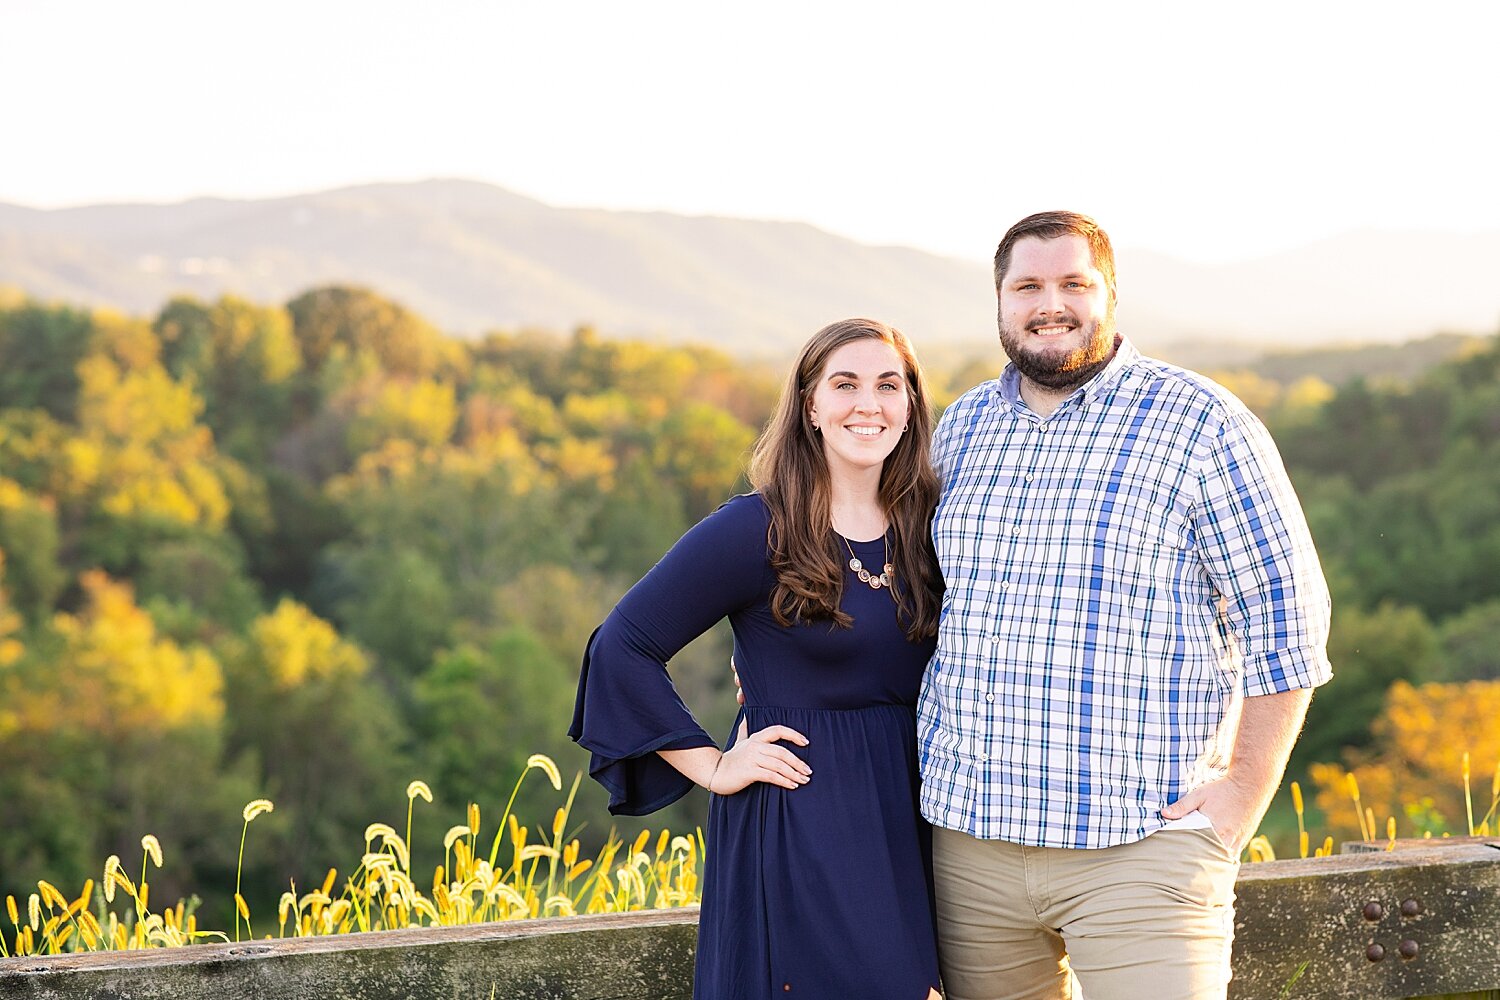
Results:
[628, 713]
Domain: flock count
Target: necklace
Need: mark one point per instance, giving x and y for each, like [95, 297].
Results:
[888, 572]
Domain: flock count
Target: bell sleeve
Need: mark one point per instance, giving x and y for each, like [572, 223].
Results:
[627, 707]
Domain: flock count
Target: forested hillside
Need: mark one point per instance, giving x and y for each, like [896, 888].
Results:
[311, 552]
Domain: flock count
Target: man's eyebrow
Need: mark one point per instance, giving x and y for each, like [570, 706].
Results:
[890, 374]
[1063, 277]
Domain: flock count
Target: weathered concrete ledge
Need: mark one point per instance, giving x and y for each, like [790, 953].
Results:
[636, 956]
[1348, 917]
[1431, 915]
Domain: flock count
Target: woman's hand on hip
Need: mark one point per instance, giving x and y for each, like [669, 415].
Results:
[757, 757]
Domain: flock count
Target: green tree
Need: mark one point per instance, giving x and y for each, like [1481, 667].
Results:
[241, 358]
[328, 739]
[342, 322]
[28, 531]
[40, 347]
[1468, 650]
[1370, 651]
[483, 709]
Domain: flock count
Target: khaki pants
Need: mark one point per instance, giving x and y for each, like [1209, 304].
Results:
[1151, 920]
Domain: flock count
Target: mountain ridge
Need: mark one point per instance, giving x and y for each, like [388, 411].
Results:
[473, 256]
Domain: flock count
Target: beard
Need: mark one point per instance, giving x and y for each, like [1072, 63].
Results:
[1057, 367]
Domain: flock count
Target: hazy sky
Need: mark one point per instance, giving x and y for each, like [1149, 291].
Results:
[1210, 132]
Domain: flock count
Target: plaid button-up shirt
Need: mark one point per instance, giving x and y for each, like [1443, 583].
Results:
[1118, 575]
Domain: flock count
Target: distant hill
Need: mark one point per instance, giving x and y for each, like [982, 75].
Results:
[474, 257]
[1337, 365]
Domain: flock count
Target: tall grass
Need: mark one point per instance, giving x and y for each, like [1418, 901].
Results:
[544, 877]
[535, 878]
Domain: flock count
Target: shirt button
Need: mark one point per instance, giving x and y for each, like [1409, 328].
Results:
[995, 638]
[1029, 477]
[989, 697]
[1004, 584]
[984, 756]
[1015, 529]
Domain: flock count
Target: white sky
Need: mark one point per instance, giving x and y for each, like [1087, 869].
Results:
[1207, 131]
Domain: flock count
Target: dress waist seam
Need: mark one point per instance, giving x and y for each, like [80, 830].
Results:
[832, 711]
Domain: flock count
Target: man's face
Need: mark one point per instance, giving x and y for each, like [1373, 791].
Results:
[1057, 314]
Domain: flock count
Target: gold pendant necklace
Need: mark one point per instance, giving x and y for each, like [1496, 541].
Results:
[888, 572]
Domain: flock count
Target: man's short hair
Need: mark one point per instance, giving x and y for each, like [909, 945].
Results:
[1050, 226]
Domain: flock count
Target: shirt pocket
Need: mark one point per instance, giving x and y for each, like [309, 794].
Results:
[1139, 562]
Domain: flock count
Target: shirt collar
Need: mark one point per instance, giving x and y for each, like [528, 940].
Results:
[1008, 387]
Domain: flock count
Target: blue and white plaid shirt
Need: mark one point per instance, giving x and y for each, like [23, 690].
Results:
[1118, 575]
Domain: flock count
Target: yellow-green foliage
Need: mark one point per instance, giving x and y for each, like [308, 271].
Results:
[1424, 736]
[517, 879]
[114, 673]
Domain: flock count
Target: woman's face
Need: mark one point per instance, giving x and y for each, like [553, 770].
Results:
[861, 404]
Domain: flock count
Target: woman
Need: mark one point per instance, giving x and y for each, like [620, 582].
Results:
[817, 880]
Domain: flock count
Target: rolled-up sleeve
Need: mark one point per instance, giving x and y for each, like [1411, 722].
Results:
[1258, 551]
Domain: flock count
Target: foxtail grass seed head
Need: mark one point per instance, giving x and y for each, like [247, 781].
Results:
[152, 847]
[242, 906]
[455, 833]
[111, 865]
[662, 841]
[1302, 844]
[558, 819]
[11, 911]
[641, 840]
[418, 789]
[474, 817]
[547, 767]
[51, 896]
[1297, 797]
[536, 851]
[34, 911]
[255, 808]
[378, 830]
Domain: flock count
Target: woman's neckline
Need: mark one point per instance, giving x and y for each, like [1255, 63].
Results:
[877, 540]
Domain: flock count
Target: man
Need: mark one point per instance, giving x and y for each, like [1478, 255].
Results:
[1135, 618]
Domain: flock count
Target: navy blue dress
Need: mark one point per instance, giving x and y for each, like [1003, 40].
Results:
[823, 891]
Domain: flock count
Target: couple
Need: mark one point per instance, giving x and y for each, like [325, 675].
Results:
[1092, 621]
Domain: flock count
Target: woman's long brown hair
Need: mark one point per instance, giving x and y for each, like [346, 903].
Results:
[791, 473]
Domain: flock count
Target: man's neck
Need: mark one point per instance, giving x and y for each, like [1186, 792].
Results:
[1042, 400]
